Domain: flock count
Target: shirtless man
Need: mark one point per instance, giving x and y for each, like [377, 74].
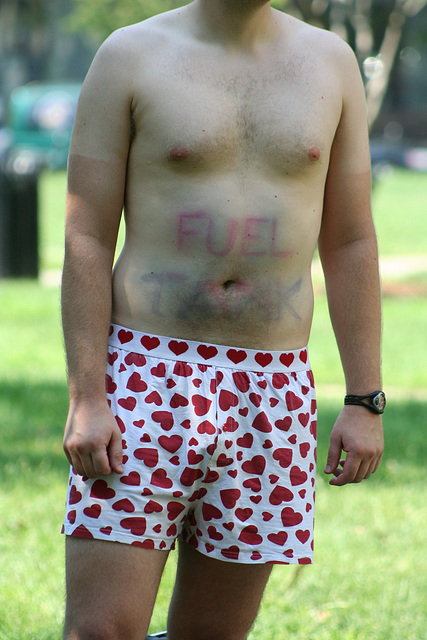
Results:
[235, 137]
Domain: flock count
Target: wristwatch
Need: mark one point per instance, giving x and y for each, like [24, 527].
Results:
[374, 401]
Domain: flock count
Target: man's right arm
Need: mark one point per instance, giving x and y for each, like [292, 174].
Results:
[96, 184]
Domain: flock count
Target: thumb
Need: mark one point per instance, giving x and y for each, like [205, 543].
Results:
[115, 451]
[334, 455]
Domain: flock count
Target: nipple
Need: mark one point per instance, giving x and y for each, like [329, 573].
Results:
[179, 153]
[314, 154]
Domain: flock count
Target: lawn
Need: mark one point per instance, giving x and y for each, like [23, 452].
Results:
[370, 574]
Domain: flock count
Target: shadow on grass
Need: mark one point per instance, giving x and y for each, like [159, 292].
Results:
[33, 417]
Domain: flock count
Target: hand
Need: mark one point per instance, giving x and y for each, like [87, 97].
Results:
[92, 440]
[359, 433]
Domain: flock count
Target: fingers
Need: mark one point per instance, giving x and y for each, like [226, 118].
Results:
[353, 470]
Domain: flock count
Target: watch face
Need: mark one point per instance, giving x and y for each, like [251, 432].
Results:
[379, 402]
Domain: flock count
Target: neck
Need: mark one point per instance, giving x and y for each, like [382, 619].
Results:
[242, 23]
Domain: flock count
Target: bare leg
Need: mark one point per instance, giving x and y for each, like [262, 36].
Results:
[111, 589]
[214, 600]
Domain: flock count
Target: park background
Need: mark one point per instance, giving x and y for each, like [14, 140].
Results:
[369, 579]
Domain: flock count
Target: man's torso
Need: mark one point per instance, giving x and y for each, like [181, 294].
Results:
[225, 183]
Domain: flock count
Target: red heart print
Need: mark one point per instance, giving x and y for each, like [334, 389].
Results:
[229, 497]
[243, 514]
[136, 384]
[290, 518]
[198, 382]
[254, 484]
[223, 460]
[193, 442]
[82, 532]
[273, 478]
[209, 512]
[170, 384]
[207, 352]
[178, 400]
[150, 342]
[128, 403]
[302, 493]
[125, 336]
[313, 428]
[256, 465]
[244, 412]
[233, 473]
[182, 369]
[228, 444]
[209, 548]
[140, 424]
[255, 499]
[279, 380]
[157, 528]
[112, 357]
[106, 530]
[287, 359]
[228, 525]
[93, 512]
[159, 371]
[124, 505]
[160, 479]
[145, 437]
[101, 490]
[262, 423]
[120, 424]
[178, 347]
[174, 510]
[197, 495]
[297, 476]
[304, 449]
[292, 439]
[250, 535]
[283, 456]
[266, 516]
[122, 368]
[285, 424]
[245, 441]
[267, 444]
[236, 356]
[110, 386]
[305, 390]
[146, 492]
[227, 399]
[231, 425]
[273, 402]
[206, 427]
[303, 356]
[214, 534]
[304, 418]
[292, 401]
[175, 461]
[71, 516]
[211, 476]
[241, 380]
[154, 398]
[302, 536]
[232, 552]
[75, 496]
[280, 494]
[193, 457]
[171, 443]
[150, 457]
[255, 398]
[164, 418]
[278, 538]
[136, 526]
[135, 358]
[190, 476]
[201, 404]
[308, 507]
[133, 479]
[263, 359]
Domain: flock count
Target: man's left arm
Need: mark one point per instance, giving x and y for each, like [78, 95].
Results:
[349, 255]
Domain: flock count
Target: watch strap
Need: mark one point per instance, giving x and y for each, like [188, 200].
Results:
[368, 401]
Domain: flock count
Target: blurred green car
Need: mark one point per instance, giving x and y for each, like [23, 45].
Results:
[38, 125]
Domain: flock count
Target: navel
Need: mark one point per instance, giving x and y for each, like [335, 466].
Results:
[314, 154]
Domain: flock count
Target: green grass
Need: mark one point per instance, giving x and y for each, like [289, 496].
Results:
[370, 574]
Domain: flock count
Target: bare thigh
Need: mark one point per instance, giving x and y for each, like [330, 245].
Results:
[214, 600]
[111, 589]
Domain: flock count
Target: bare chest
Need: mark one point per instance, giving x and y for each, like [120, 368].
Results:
[280, 116]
